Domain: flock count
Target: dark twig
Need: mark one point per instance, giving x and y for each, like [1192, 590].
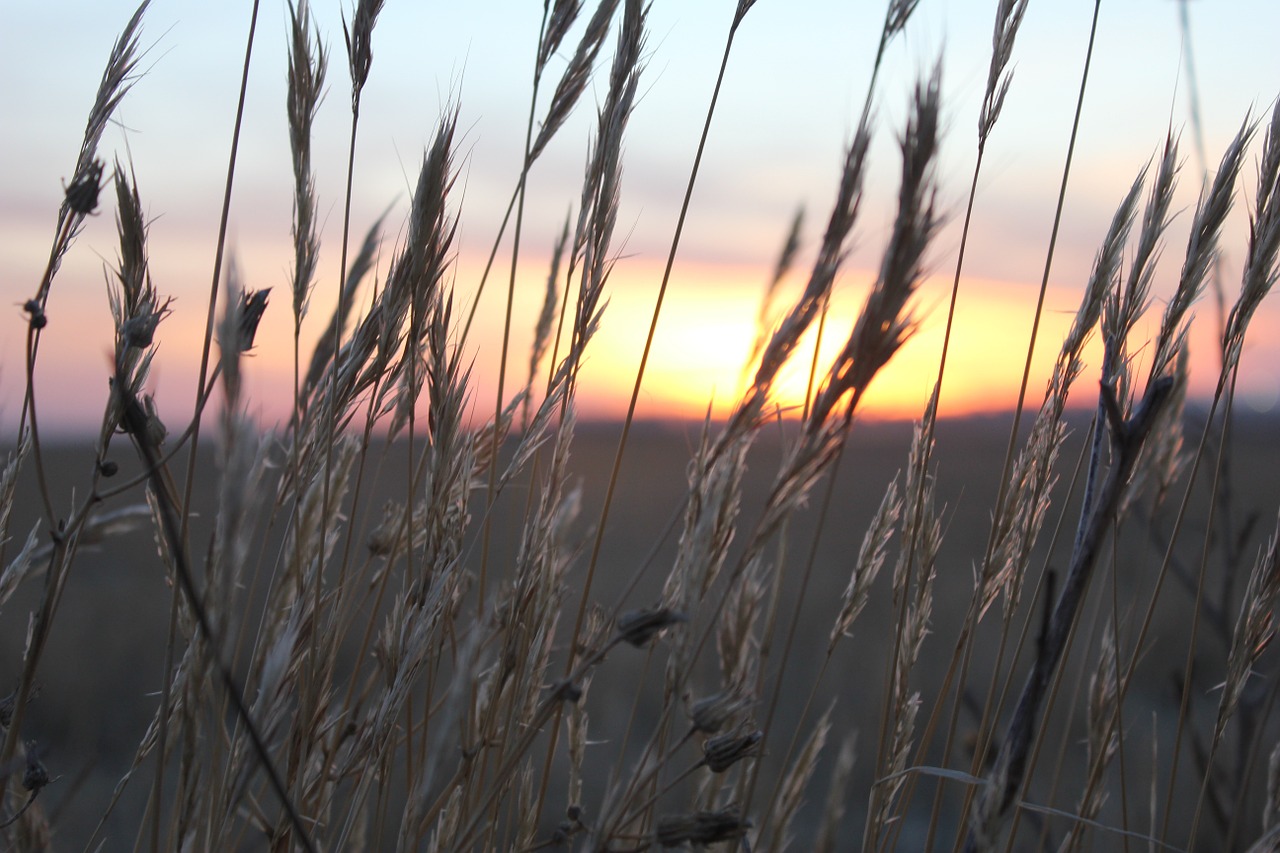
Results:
[1008, 775]
[134, 421]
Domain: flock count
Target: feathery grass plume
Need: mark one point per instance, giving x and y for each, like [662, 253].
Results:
[1020, 516]
[362, 363]
[1255, 629]
[426, 793]
[132, 273]
[359, 267]
[767, 317]
[308, 62]
[574, 80]
[831, 255]
[999, 76]
[275, 708]
[1122, 306]
[563, 15]
[450, 464]
[577, 738]
[1103, 740]
[241, 460]
[601, 187]
[100, 526]
[403, 651]
[448, 824]
[871, 557]
[9, 486]
[1008, 776]
[528, 610]
[136, 309]
[1271, 805]
[804, 464]
[1165, 457]
[546, 318]
[921, 527]
[140, 423]
[565, 98]
[358, 35]
[118, 77]
[22, 566]
[1260, 266]
[1018, 519]
[837, 796]
[886, 321]
[306, 550]
[711, 513]
[794, 783]
[525, 816]
[274, 678]
[913, 580]
[538, 431]
[897, 15]
[1106, 269]
[420, 267]
[81, 197]
[737, 634]
[79, 201]
[1202, 249]
[416, 277]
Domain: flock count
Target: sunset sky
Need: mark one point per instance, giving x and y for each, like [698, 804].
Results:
[794, 88]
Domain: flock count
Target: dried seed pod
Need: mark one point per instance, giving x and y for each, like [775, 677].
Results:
[713, 713]
[36, 310]
[36, 776]
[567, 691]
[723, 751]
[140, 332]
[82, 194]
[638, 627]
[252, 306]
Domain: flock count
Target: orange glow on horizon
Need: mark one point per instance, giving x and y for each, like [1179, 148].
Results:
[696, 365]
[708, 325]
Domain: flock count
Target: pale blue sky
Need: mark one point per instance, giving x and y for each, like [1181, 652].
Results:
[795, 85]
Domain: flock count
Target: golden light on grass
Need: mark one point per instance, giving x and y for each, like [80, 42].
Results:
[345, 641]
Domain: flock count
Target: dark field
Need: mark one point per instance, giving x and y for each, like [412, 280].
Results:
[103, 667]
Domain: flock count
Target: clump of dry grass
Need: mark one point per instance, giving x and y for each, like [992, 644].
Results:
[390, 633]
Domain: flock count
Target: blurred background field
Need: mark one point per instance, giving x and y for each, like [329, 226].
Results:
[97, 688]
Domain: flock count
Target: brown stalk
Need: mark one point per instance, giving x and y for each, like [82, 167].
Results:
[136, 424]
[80, 200]
[1008, 775]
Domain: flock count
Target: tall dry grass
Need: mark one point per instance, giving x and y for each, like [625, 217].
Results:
[393, 631]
